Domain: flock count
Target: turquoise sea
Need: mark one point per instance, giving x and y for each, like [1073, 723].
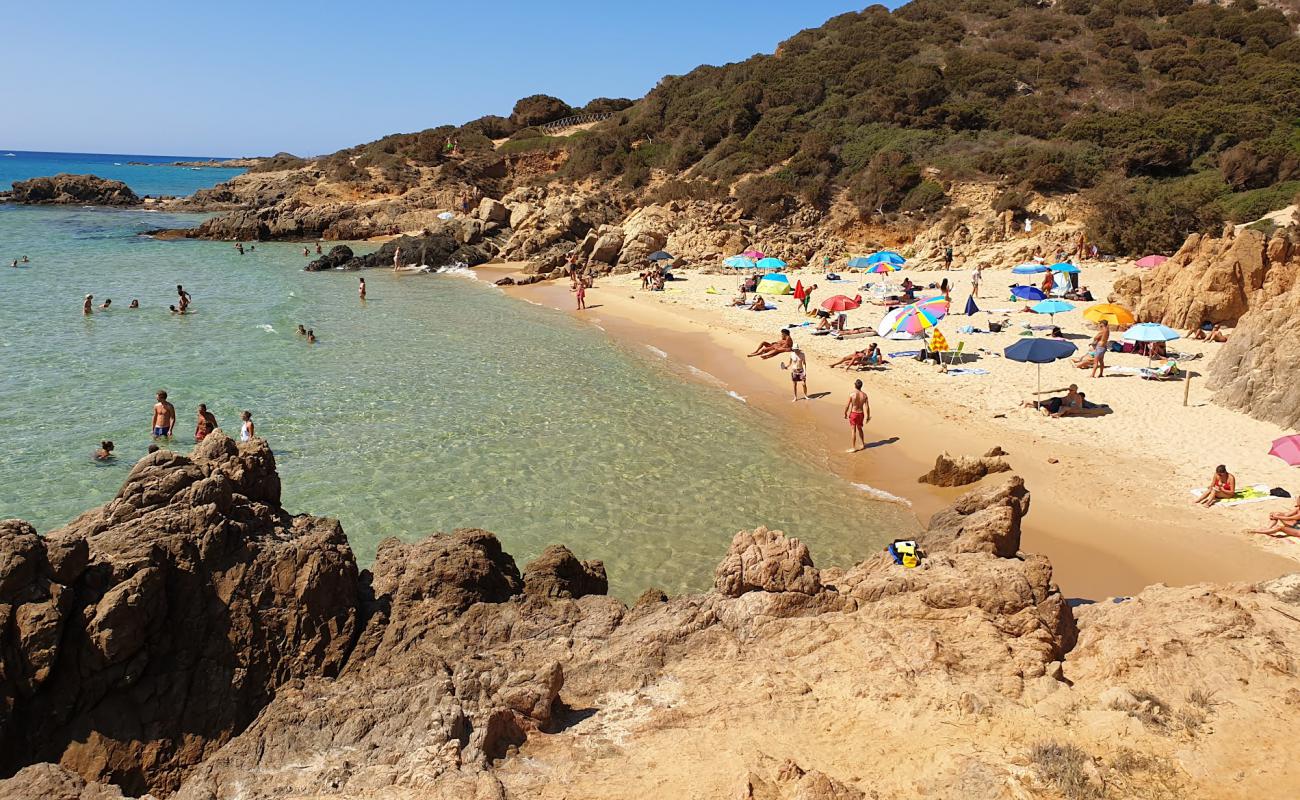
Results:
[154, 180]
[439, 403]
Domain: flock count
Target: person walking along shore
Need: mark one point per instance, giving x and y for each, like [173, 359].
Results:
[858, 412]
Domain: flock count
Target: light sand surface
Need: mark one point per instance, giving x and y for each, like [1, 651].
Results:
[1111, 503]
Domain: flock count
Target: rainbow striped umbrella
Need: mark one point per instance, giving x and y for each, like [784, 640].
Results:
[915, 318]
[882, 267]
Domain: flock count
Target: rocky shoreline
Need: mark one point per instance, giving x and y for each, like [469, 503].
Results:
[191, 638]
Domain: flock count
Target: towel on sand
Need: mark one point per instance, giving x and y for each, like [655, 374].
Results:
[905, 354]
[1251, 494]
[966, 371]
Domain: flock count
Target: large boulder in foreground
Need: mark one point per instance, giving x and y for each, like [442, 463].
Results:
[143, 635]
[766, 561]
[66, 189]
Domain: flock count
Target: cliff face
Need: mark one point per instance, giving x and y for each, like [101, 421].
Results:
[1243, 279]
[190, 636]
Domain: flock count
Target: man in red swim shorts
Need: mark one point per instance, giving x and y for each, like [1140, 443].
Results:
[858, 412]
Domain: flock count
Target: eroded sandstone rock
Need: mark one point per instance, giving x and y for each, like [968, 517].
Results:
[962, 470]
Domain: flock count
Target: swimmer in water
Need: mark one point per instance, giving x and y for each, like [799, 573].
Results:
[105, 451]
[104, 306]
[361, 288]
[184, 298]
[86, 307]
[301, 330]
[134, 304]
[311, 337]
[306, 253]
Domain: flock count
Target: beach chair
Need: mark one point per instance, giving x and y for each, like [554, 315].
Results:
[1166, 372]
[954, 356]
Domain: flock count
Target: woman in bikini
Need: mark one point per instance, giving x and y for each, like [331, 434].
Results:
[1286, 523]
[1222, 486]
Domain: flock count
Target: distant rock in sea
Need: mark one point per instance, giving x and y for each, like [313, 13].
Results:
[66, 189]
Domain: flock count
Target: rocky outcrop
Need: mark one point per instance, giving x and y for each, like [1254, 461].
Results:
[425, 676]
[338, 257]
[962, 470]
[139, 638]
[1254, 370]
[431, 250]
[65, 189]
[1208, 280]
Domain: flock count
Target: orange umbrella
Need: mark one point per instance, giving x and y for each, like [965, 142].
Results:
[1114, 314]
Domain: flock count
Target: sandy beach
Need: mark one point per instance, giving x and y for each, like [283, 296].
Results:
[1112, 507]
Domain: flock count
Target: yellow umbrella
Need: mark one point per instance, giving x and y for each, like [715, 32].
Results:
[1109, 312]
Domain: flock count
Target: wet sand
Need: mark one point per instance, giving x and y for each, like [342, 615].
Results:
[1090, 514]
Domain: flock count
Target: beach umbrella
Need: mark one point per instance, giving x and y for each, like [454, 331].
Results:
[886, 257]
[934, 305]
[739, 262]
[1028, 293]
[774, 283]
[1051, 307]
[1040, 352]
[660, 255]
[770, 263]
[882, 268]
[799, 291]
[1109, 312]
[859, 261]
[913, 319]
[971, 308]
[841, 302]
[1031, 268]
[1152, 261]
[754, 254]
[1287, 448]
[1151, 332]
[1065, 267]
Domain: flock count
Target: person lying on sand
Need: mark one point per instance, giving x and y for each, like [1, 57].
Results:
[862, 358]
[854, 331]
[1052, 406]
[768, 349]
[1222, 486]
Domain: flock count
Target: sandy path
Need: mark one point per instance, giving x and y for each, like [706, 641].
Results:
[1112, 511]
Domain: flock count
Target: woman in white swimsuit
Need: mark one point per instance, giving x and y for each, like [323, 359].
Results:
[246, 429]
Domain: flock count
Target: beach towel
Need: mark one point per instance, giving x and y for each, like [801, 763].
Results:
[1251, 494]
[905, 354]
[967, 371]
[711, 290]
[999, 310]
[1125, 370]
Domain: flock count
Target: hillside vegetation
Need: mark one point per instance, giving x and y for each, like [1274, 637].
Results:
[1171, 116]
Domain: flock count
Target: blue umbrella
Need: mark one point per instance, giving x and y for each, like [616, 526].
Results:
[739, 262]
[1028, 293]
[886, 257]
[1028, 269]
[770, 263]
[1064, 266]
[1151, 332]
[1040, 352]
[859, 262]
[660, 255]
[971, 308]
[1052, 307]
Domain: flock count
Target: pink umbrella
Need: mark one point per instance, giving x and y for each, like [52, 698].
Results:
[1288, 449]
[1151, 261]
[754, 254]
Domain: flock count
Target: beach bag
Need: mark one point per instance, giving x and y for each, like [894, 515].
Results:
[905, 552]
[1278, 491]
[995, 327]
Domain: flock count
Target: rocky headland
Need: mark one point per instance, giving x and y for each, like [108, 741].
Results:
[191, 638]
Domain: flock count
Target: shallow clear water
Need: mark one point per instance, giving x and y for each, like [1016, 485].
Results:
[440, 403]
[152, 180]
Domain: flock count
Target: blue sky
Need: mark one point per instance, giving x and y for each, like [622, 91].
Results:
[243, 78]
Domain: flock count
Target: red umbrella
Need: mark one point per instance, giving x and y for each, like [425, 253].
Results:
[1288, 449]
[1151, 261]
[841, 303]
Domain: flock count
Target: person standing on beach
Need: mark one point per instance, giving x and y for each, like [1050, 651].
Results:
[582, 295]
[807, 297]
[947, 257]
[976, 278]
[246, 431]
[798, 366]
[207, 423]
[164, 417]
[87, 305]
[858, 412]
[361, 288]
[1100, 344]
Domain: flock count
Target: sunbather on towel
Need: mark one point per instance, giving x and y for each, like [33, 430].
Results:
[855, 331]
[759, 304]
[1222, 486]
